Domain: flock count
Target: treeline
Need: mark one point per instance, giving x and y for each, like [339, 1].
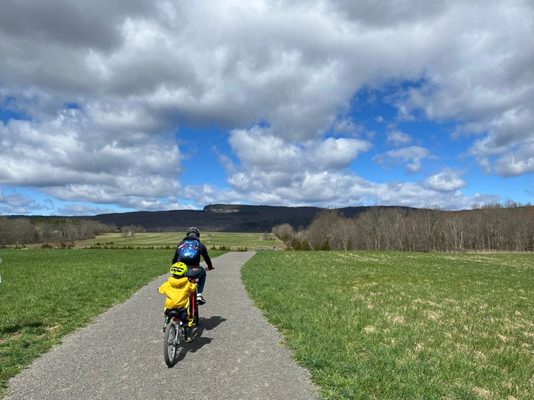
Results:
[492, 228]
[21, 231]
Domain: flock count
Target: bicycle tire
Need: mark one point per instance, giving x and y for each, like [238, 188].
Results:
[170, 344]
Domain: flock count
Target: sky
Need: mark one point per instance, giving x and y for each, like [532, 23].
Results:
[115, 106]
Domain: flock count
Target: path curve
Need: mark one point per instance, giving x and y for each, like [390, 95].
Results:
[119, 356]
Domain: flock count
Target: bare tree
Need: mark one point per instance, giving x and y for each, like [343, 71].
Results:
[490, 228]
[284, 232]
[59, 230]
[128, 231]
[320, 232]
[341, 234]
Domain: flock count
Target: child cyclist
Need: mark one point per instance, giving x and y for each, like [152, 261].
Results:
[177, 290]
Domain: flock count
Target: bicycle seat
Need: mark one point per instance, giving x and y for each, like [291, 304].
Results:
[175, 312]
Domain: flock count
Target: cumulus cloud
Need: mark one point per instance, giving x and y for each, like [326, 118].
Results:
[335, 190]
[347, 126]
[16, 203]
[412, 156]
[485, 81]
[445, 181]
[136, 71]
[259, 148]
[272, 171]
[517, 160]
[270, 166]
[62, 157]
[398, 138]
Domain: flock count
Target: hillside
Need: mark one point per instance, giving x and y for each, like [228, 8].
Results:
[221, 217]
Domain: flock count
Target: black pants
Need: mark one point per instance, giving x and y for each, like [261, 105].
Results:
[197, 273]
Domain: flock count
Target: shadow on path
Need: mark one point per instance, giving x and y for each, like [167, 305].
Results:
[206, 324]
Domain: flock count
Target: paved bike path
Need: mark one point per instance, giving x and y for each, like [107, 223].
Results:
[120, 356]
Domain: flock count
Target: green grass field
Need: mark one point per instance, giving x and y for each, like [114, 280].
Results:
[404, 325]
[228, 240]
[367, 325]
[45, 294]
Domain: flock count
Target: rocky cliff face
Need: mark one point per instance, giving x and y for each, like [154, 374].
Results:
[222, 208]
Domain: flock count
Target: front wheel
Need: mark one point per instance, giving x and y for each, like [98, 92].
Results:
[171, 340]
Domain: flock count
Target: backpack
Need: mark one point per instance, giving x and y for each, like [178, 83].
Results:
[188, 250]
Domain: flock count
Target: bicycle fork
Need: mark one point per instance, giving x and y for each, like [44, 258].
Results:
[179, 331]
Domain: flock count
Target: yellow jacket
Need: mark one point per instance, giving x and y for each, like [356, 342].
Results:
[177, 291]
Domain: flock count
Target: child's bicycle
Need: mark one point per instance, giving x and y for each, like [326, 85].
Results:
[174, 335]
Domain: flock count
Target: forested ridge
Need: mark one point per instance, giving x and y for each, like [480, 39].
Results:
[491, 228]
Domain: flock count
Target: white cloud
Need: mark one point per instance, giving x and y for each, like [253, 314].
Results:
[329, 189]
[259, 148]
[156, 57]
[63, 157]
[412, 156]
[138, 70]
[347, 126]
[337, 153]
[517, 160]
[445, 181]
[398, 138]
[159, 58]
[484, 79]
[15, 203]
[273, 171]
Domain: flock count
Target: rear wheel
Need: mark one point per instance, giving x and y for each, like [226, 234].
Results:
[171, 340]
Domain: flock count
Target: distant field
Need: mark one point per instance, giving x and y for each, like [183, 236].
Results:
[228, 240]
[404, 325]
[45, 294]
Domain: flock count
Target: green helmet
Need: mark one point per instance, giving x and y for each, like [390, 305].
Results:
[178, 269]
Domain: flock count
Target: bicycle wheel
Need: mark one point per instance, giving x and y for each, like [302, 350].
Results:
[171, 340]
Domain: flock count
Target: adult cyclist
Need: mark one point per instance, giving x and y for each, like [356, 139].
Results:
[189, 251]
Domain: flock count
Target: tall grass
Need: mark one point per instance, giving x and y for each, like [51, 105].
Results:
[45, 294]
[404, 325]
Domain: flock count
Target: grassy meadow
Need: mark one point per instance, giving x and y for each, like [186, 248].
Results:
[212, 240]
[45, 294]
[371, 325]
[367, 325]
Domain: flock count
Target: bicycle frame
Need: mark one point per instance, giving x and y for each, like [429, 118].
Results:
[193, 305]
